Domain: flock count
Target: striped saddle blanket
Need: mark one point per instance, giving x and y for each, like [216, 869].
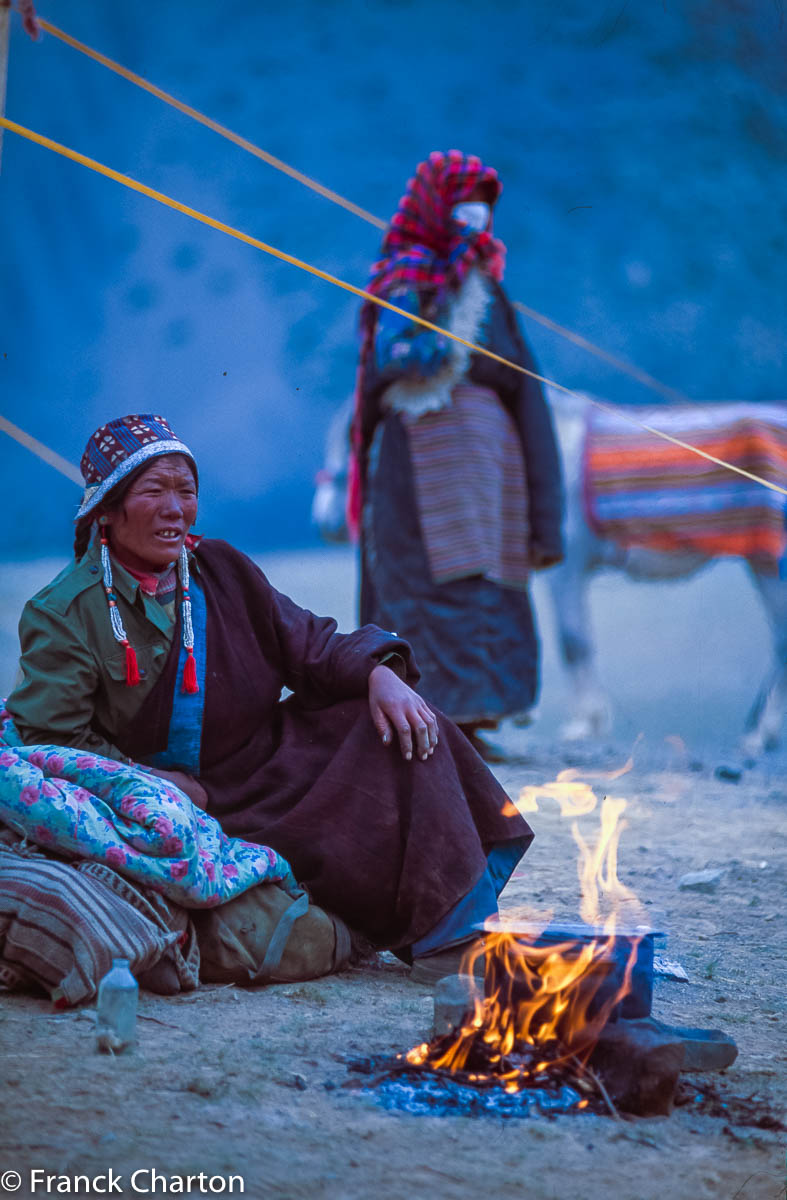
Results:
[641, 490]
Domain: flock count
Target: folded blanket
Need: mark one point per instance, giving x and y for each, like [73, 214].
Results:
[643, 491]
[178, 970]
[61, 927]
[86, 806]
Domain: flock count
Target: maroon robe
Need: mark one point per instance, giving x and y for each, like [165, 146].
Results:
[388, 845]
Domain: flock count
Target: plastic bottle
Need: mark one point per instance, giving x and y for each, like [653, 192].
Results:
[116, 1015]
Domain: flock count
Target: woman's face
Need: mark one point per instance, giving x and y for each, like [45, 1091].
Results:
[149, 528]
[475, 211]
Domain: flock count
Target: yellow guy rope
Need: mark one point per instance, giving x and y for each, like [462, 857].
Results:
[49, 456]
[126, 181]
[620, 364]
[222, 130]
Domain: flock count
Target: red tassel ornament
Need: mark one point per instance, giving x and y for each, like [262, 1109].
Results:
[132, 669]
[190, 684]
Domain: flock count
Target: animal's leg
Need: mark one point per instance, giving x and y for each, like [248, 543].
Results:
[328, 507]
[330, 496]
[764, 722]
[590, 712]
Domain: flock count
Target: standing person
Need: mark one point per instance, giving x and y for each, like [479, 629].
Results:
[455, 487]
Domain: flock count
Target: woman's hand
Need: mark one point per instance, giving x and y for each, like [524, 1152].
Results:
[187, 783]
[396, 708]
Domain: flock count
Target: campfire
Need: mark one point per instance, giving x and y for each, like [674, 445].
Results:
[561, 1011]
[547, 999]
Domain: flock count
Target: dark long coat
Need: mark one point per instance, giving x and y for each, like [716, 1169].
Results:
[475, 639]
[388, 845]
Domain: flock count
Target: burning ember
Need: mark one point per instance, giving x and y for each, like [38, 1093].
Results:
[549, 993]
[420, 1090]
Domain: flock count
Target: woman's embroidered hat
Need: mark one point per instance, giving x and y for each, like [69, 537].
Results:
[118, 448]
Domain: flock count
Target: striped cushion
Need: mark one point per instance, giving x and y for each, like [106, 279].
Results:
[62, 927]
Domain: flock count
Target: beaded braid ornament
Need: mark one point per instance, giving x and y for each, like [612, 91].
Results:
[190, 684]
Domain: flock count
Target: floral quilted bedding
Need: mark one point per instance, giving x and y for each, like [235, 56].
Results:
[85, 806]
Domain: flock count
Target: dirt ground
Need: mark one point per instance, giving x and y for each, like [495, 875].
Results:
[235, 1083]
[231, 1082]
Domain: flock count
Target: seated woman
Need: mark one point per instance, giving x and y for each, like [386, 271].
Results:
[170, 650]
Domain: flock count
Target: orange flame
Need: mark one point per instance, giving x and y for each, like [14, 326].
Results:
[546, 995]
[597, 866]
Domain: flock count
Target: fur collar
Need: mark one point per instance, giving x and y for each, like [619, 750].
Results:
[465, 318]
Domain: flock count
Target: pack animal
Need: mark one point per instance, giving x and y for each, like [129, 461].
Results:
[586, 553]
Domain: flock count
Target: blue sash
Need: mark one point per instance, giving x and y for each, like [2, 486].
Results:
[463, 920]
[185, 726]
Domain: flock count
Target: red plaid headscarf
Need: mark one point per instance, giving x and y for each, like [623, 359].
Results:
[424, 250]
